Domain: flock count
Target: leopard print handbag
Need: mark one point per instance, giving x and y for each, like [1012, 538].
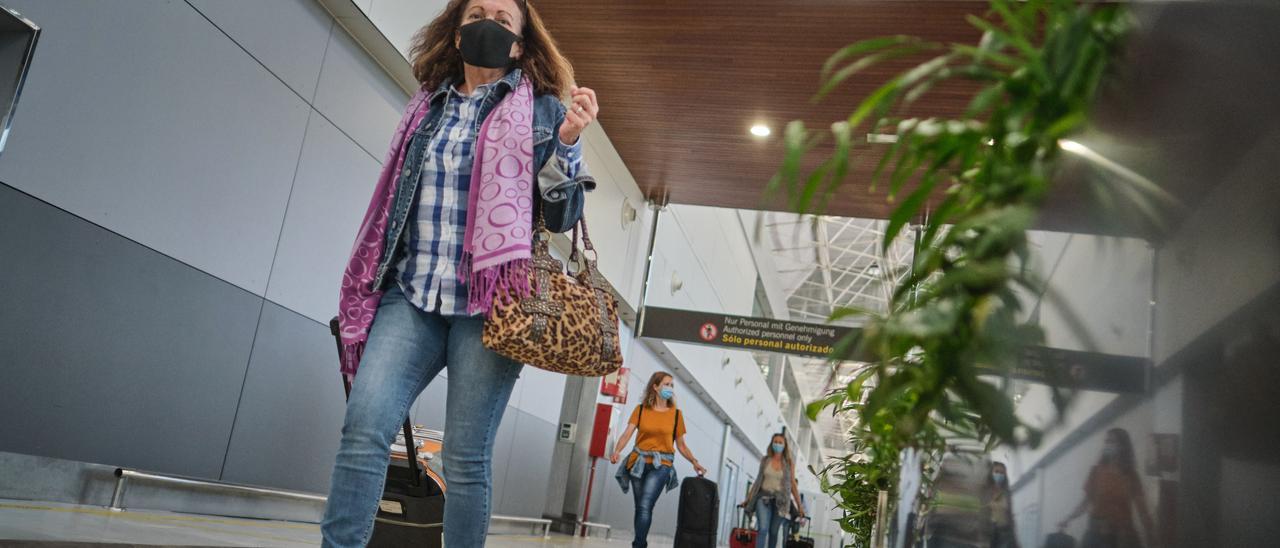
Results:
[569, 324]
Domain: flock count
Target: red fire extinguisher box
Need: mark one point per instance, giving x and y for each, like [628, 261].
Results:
[600, 430]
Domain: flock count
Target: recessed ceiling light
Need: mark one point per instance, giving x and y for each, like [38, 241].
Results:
[760, 130]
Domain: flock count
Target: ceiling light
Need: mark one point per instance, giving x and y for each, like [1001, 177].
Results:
[1073, 147]
[760, 130]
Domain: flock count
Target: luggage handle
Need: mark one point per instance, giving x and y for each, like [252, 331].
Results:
[411, 448]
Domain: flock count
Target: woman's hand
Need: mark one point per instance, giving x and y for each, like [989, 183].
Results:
[613, 459]
[582, 110]
[699, 469]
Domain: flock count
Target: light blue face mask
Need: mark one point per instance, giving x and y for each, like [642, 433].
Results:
[778, 447]
[998, 477]
[666, 393]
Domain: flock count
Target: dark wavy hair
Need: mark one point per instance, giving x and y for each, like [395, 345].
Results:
[436, 59]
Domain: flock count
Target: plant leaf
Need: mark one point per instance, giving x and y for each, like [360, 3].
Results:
[865, 46]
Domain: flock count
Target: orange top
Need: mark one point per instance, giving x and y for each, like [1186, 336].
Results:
[1112, 493]
[654, 431]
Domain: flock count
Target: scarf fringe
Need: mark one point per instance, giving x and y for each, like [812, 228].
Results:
[349, 358]
[505, 282]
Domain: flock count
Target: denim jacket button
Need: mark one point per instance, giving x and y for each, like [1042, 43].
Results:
[405, 172]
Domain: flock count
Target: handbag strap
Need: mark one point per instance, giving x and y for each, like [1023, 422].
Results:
[590, 275]
[541, 305]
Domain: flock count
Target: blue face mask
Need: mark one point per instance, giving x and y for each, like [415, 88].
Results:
[998, 477]
[778, 447]
[666, 393]
[1110, 450]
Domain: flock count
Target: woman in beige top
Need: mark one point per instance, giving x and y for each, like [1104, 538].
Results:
[772, 493]
[998, 507]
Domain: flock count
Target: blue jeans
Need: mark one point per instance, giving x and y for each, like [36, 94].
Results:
[407, 348]
[767, 523]
[646, 490]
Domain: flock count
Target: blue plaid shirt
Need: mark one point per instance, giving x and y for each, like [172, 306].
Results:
[428, 272]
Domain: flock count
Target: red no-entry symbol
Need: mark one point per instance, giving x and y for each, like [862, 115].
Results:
[708, 332]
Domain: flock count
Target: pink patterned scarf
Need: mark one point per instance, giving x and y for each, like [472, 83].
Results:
[496, 249]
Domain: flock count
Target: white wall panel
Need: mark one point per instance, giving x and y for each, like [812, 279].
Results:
[358, 96]
[334, 183]
[622, 245]
[1105, 284]
[1224, 255]
[539, 393]
[718, 246]
[287, 36]
[400, 19]
[180, 140]
[765, 265]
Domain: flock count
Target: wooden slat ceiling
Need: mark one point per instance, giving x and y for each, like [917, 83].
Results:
[681, 82]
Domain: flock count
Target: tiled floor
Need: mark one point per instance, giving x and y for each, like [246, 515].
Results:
[41, 522]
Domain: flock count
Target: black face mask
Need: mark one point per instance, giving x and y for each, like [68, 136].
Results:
[486, 43]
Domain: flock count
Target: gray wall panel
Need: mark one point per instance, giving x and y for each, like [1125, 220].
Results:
[332, 189]
[525, 487]
[288, 36]
[429, 409]
[290, 420]
[182, 142]
[114, 353]
[358, 96]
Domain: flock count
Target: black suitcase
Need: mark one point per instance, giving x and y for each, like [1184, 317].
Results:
[411, 512]
[800, 542]
[698, 515]
[797, 541]
[686, 539]
[1059, 540]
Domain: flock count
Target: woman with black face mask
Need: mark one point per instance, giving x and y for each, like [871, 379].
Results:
[485, 155]
[1111, 494]
[997, 507]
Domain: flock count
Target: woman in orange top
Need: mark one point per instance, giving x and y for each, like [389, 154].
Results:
[661, 432]
[1111, 493]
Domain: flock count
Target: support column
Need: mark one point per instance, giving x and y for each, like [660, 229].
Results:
[570, 462]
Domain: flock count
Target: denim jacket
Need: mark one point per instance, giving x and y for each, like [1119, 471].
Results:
[628, 469]
[561, 209]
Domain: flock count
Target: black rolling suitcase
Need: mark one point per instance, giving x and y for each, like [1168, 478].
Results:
[800, 542]
[699, 512]
[1059, 540]
[411, 512]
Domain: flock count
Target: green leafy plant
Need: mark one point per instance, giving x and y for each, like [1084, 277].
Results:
[969, 187]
